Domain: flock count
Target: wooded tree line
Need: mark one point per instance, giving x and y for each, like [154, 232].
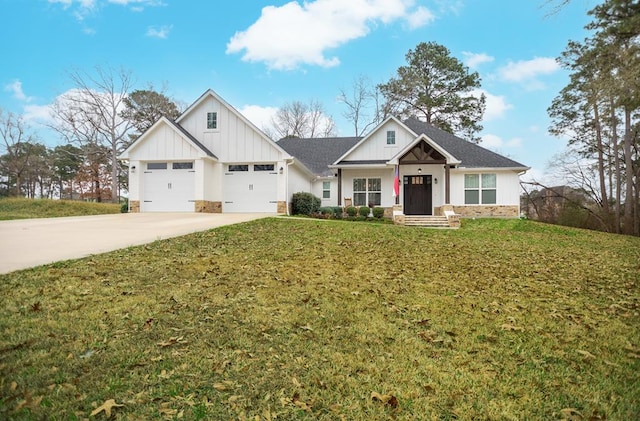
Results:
[599, 112]
[97, 120]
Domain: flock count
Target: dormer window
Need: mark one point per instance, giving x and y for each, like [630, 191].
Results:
[391, 137]
[212, 121]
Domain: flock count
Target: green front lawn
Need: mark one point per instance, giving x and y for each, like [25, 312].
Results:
[20, 208]
[302, 319]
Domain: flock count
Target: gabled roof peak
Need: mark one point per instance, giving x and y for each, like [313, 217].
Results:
[470, 154]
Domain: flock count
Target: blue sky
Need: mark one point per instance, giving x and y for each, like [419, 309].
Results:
[259, 54]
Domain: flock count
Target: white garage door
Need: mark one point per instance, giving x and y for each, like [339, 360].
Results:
[168, 187]
[250, 188]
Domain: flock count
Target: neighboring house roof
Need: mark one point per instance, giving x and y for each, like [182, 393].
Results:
[318, 153]
[470, 154]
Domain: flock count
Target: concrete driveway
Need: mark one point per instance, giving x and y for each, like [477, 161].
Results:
[32, 242]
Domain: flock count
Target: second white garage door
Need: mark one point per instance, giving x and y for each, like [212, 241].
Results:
[250, 188]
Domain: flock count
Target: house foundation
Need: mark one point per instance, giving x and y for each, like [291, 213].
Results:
[487, 211]
[206, 206]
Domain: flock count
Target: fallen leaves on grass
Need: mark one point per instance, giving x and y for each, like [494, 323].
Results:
[221, 387]
[106, 407]
[586, 354]
[570, 414]
[511, 328]
[29, 402]
[389, 400]
[173, 341]
[170, 413]
[634, 351]
[296, 401]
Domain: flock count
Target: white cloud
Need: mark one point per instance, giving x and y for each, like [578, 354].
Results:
[293, 34]
[529, 70]
[80, 9]
[161, 32]
[65, 3]
[421, 17]
[473, 60]
[497, 105]
[38, 113]
[260, 116]
[137, 5]
[494, 142]
[15, 88]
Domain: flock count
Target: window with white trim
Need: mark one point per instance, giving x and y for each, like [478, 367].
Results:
[212, 121]
[480, 189]
[391, 137]
[367, 191]
[326, 190]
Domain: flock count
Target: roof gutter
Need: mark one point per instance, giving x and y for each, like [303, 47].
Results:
[358, 166]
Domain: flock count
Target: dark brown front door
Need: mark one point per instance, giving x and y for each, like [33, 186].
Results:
[417, 194]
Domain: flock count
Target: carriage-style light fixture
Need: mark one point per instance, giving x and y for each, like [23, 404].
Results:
[435, 180]
[281, 169]
[133, 168]
[419, 170]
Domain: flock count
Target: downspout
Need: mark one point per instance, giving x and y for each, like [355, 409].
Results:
[286, 187]
[520, 194]
[339, 186]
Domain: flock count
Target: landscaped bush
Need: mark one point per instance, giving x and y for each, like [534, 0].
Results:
[337, 212]
[304, 204]
[352, 211]
[364, 211]
[378, 212]
[326, 211]
[124, 205]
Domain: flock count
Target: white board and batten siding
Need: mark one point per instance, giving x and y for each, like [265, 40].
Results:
[234, 139]
[167, 143]
[376, 148]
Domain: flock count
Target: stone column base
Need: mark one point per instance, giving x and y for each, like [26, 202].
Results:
[134, 206]
[206, 206]
[397, 214]
[282, 207]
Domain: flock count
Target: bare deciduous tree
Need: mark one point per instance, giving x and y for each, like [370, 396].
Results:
[362, 105]
[297, 119]
[90, 114]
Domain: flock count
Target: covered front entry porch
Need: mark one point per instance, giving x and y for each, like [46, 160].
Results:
[424, 189]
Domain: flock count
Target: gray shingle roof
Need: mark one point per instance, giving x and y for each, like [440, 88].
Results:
[193, 139]
[470, 154]
[317, 154]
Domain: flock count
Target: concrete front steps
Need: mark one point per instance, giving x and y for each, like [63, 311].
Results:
[426, 221]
